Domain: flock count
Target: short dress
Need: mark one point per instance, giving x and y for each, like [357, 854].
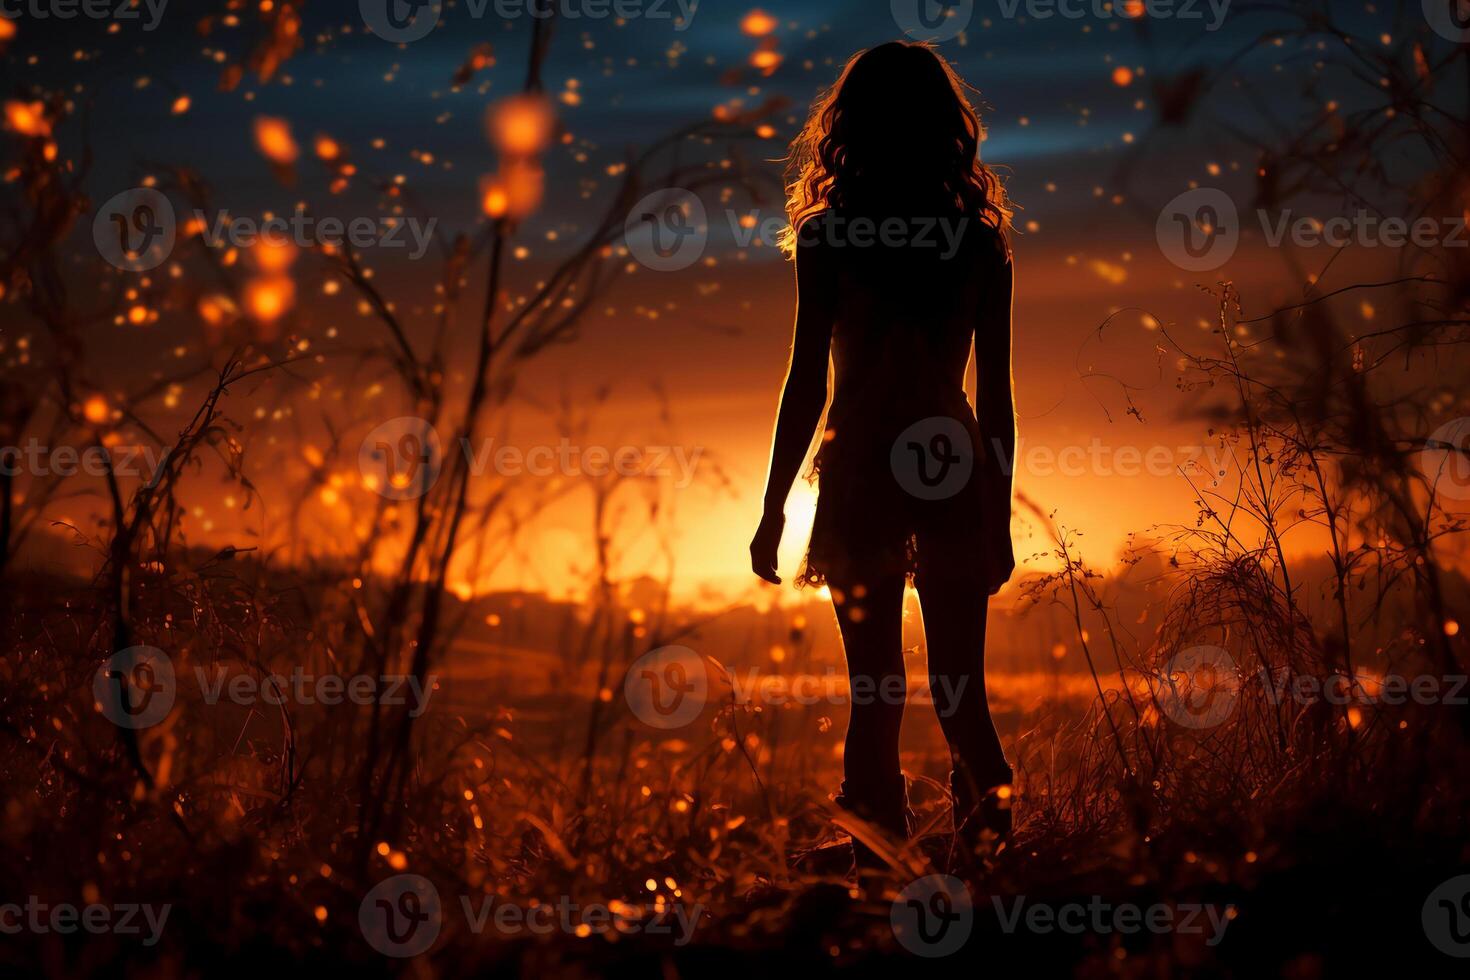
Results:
[898, 470]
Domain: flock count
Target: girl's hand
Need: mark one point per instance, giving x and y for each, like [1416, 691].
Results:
[764, 545]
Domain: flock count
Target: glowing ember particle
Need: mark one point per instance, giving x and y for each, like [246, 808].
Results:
[494, 200]
[27, 118]
[1122, 76]
[522, 125]
[268, 299]
[1451, 628]
[217, 310]
[758, 23]
[273, 139]
[766, 61]
[273, 255]
[95, 410]
[327, 148]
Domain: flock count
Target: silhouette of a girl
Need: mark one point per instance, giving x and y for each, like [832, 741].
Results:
[901, 241]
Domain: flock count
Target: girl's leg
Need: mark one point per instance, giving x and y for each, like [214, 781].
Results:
[870, 616]
[953, 600]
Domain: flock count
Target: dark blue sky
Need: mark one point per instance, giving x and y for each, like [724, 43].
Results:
[1054, 112]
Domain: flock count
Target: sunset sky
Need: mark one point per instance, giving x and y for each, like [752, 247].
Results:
[1072, 106]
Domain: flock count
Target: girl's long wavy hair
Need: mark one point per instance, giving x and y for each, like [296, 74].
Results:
[896, 130]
